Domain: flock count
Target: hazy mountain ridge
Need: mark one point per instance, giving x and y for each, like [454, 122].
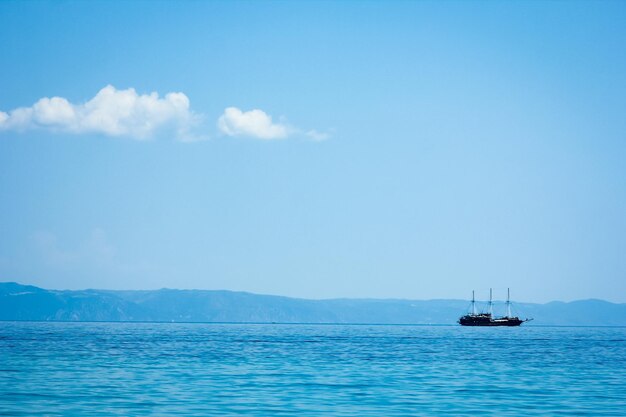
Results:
[25, 302]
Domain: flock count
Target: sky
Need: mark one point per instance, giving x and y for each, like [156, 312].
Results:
[315, 149]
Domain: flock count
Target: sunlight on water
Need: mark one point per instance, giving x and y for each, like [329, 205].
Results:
[209, 369]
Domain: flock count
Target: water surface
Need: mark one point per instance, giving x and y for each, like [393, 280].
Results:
[135, 369]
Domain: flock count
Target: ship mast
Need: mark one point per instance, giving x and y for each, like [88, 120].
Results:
[508, 302]
[473, 304]
[490, 303]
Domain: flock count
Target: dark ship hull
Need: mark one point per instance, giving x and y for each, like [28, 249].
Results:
[487, 320]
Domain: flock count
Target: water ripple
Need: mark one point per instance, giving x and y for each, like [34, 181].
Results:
[91, 369]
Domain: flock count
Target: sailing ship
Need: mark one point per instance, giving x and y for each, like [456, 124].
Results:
[487, 319]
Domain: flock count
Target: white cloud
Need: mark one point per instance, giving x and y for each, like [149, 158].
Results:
[258, 124]
[254, 123]
[3, 117]
[111, 112]
[114, 112]
[317, 136]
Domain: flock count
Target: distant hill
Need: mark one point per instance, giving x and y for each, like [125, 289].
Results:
[26, 302]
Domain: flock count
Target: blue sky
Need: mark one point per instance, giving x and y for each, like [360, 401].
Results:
[371, 149]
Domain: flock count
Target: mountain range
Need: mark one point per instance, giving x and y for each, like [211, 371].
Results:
[27, 302]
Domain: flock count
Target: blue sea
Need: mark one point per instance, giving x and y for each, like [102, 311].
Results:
[163, 369]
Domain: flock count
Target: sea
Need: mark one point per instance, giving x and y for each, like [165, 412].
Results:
[193, 369]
